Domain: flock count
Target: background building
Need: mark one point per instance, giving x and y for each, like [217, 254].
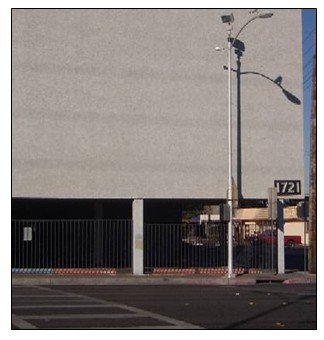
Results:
[122, 113]
[133, 103]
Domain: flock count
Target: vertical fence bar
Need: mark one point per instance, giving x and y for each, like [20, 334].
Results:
[66, 251]
[21, 241]
[36, 264]
[129, 248]
[87, 243]
[13, 245]
[83, 245]
[175, 246]
[104, 231]
[35, 244]
[80, 227]
[17, 243]
[23, 257]
[124, 244]
[118, 245]
[165, 229]
[162, 261]
[40, 245]
[41, 259]
[162, 248]
[83, 250]
[43, 245]
[183, 245]
[130, 258]
[27, 251]
[96, 245]
[49, 245]
[70, 244]
[171, 249]
[124, 252]
[109, 236]
[75, 236]
[147, 253]
[179, 242]
[158, 253]
[168, 235]
[113, 244]
[165, 253]
[59, 243]
[121, 242]
[33, 249]
[155, 251]
[77, 227]
[151, 247]
[91, 245]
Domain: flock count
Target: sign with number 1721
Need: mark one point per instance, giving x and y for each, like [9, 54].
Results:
[288, 187]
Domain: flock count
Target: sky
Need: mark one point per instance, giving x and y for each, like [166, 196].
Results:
[308, 27]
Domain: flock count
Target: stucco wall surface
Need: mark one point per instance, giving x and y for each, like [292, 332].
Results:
[133, 103]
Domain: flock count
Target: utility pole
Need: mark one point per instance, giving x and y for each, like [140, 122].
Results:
[313, 174]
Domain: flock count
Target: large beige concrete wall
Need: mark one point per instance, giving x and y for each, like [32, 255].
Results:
[133, 103]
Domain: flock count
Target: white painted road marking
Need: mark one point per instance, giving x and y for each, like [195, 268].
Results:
[21, 322]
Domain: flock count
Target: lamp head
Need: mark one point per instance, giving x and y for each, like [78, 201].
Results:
[265, 15]
[228, 18]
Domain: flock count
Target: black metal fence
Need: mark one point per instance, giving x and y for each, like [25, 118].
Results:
[205, 246]
[183, 246]
[58, 246]
[47, 245]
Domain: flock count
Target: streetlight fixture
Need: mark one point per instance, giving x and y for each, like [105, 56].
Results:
[229, 19]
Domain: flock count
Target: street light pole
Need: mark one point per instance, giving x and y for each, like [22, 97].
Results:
[230, 192]
[229, 19]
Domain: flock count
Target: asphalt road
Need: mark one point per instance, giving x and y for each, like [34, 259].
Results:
[262, 306]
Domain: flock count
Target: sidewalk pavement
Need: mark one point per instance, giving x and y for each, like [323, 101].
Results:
[128, 279]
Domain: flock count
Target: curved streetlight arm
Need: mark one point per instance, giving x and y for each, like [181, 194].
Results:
[260, 16]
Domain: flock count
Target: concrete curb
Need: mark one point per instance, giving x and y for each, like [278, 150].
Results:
[136, 280]
[43, 279]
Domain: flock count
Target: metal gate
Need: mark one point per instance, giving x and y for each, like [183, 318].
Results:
[255, 246]
[202, 248]
[71, 246]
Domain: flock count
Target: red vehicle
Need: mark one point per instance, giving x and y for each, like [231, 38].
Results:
[289, 240]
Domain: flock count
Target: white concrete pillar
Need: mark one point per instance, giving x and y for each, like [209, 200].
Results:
[138, 232]
[280, 239]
